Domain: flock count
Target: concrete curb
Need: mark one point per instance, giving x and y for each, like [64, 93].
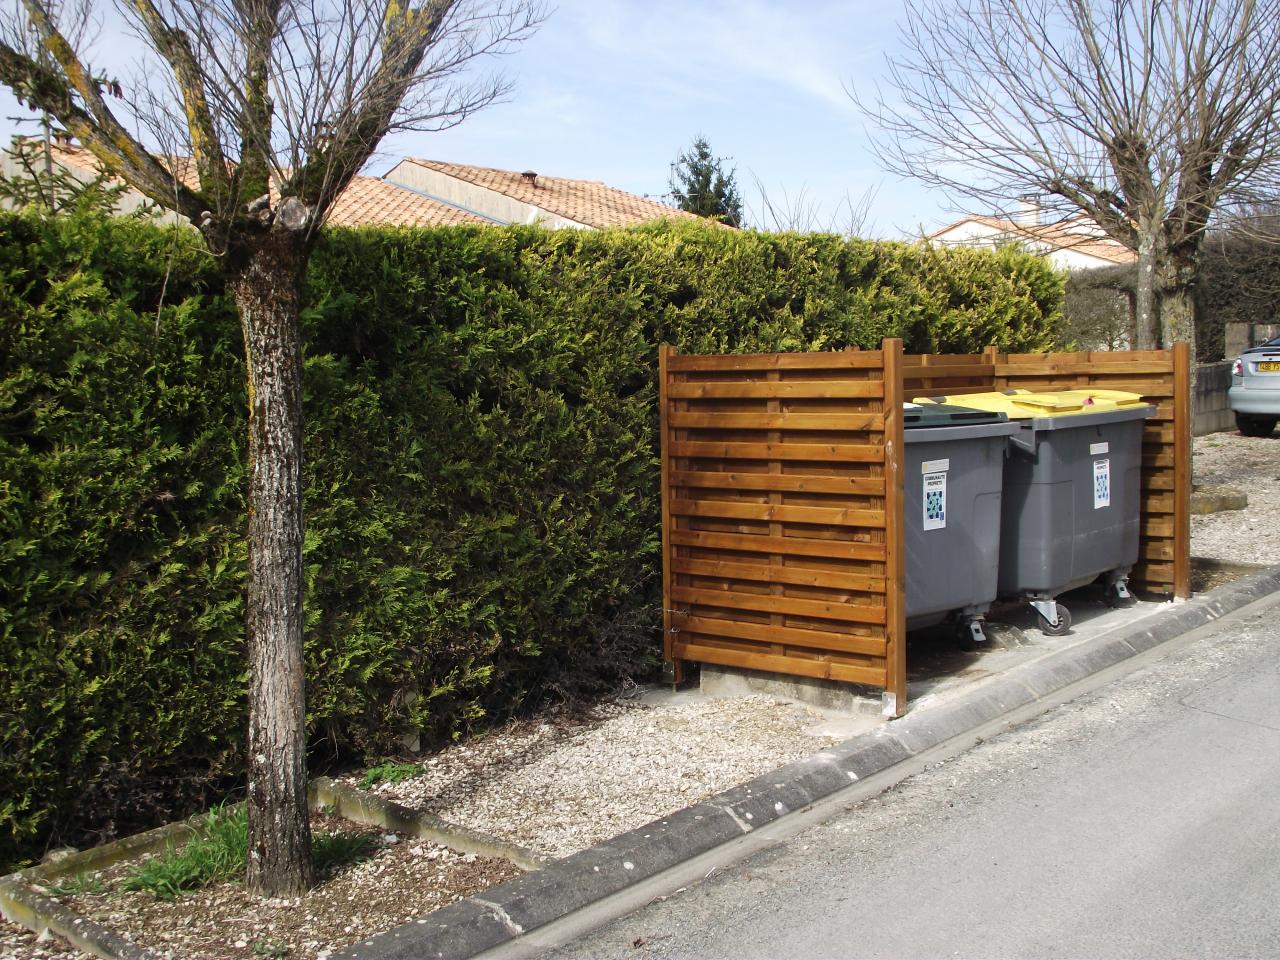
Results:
[507, 911]
[360, 806]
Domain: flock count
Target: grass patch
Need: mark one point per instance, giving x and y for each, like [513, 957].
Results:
[389, 772]
[74, 886]
[218, 852]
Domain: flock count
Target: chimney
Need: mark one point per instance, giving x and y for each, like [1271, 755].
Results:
[1028, 213]
[531, 178]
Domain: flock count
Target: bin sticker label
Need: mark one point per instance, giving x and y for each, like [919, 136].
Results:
[935, 501]
[1101, 484]
[935, 466]
[1097, 448]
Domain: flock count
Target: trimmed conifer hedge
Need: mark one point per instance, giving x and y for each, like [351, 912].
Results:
[481, 476]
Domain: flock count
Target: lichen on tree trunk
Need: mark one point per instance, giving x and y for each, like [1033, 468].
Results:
[265, 282]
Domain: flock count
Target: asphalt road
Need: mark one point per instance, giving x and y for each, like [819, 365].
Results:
[1141, 820]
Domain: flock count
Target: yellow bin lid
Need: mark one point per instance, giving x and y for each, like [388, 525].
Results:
[1024, 404]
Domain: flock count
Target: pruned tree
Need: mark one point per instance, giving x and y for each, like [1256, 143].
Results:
[249, 118]
[1145, 115]
[700, 184]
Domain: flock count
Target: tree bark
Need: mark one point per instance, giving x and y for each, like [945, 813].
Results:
[266, 285]
[1177, 298]
[1145, 304]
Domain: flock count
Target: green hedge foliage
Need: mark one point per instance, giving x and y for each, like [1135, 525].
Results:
[481, 476]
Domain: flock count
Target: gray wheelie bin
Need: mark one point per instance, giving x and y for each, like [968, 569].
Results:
[1071, 494]
[954, 459]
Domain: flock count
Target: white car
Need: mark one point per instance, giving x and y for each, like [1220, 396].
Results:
[1255, 389]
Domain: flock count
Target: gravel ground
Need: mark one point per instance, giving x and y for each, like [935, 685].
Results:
[19, 943]
[561, 785]
[562, 782]
[1251, 464]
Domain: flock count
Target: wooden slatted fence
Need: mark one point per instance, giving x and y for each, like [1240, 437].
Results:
[782, 514]
[782, 497]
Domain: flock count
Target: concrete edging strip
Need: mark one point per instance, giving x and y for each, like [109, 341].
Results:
[23, 904]
[511, 909]
[360, 806]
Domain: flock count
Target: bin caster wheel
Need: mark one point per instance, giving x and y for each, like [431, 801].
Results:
[970, 635]
[1055, 629]
[1118, 595]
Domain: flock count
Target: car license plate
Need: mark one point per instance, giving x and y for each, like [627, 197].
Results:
[1269, 366]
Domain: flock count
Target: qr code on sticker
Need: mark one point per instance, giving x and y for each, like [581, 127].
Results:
[1101, 483]
[934, 506]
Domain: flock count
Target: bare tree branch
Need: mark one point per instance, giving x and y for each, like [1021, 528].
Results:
[1143, 114]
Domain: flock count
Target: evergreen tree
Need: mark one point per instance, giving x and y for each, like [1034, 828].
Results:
[699, 184]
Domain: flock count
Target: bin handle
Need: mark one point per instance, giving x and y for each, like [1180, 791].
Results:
[1025, 438]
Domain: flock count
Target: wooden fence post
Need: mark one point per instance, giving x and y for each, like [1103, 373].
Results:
[895, 696]
[1182, 470]
[677, 668]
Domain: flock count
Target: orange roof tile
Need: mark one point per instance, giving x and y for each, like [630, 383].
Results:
[366, 201]
[588, 202]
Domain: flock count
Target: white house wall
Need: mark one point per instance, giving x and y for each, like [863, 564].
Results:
[472, 197]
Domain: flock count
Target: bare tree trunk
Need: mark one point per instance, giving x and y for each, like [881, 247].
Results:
[266, 289]
[1145, 305]
[1177, 298]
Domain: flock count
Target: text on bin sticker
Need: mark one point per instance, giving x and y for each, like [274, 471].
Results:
[935, 466]
[1101, 484]
[935, 501]
[1097, 448]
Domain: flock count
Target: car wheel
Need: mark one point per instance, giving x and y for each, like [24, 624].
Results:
[1250, 426]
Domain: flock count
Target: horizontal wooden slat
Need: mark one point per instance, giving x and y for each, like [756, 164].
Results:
[780, 482]
[848, 452]
[930, 372]
[1156, 550]
[794, 666]
[733, 600]
[777, 512]
[1157, 504]
[790, 636]
[780, 389]
[777, 421]
[1154, 573]
[775, 573]
[1157, 528]
[1157, 482]
[1078, 370]
[787, 546]
[835, 360]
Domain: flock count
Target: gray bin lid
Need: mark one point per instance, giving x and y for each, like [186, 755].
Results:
[947, 421]
[916, 416]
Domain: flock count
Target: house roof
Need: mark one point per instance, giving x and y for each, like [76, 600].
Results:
[588, 202]
[370, 200]
[366, 200]
[1065, 235]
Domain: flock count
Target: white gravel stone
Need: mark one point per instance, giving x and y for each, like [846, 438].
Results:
[1250, 464]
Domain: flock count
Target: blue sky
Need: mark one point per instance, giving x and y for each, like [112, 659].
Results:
[612, 90]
